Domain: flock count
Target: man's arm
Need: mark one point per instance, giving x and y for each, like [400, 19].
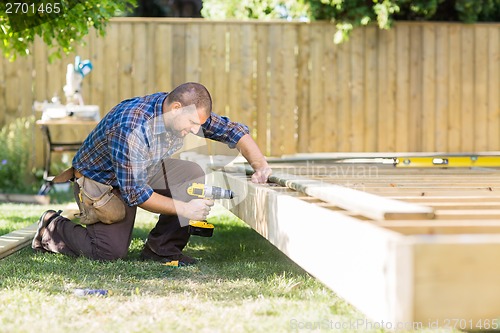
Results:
[249, 149]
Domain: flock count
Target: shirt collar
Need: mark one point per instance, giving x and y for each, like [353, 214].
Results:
[158, 123]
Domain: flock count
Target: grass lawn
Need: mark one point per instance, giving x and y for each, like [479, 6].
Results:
[241, 284]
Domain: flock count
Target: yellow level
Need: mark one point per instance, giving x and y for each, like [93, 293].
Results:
[448, 161]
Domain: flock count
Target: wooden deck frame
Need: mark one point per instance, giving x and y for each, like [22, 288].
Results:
[398, 277]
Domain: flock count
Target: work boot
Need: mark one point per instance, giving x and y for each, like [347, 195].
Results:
[43, 222]
[184, 260]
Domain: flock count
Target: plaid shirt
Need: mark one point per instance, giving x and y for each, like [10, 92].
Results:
[125, 148]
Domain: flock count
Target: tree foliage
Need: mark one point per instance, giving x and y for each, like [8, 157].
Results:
[349, 14]
[60, 23]
[255, 9]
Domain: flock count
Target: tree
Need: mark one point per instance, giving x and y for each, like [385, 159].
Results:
[255, 9]
[60, 23]
[348, 14]
[168, 8]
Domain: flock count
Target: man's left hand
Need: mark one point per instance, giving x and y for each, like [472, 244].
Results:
[261, 176]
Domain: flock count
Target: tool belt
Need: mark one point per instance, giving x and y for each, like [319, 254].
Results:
[96, 201]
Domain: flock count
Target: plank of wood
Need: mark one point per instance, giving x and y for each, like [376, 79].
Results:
[362, 203]
[428, 130]
[289, 90]
[343, 111]
[162, 49]
[415, 98]
[303, 91]
[262, 91]
[316, 89]
[402, 92]
[370, 90]
[376, 274]
[111, 49]
[493, 89]
[276, 58]
[97, 93]
[454, 92]
[481, 88]
[193, 63]
[457, 274]
[125, 62]
[16, 240]
[442, 227]
[467, 214]
[25, 198]
[467, 92]
[357, 94]
[140, 71]
[442, 88]
[178, 54]
[219, 94]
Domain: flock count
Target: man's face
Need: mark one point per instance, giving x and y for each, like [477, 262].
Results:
[186, 120]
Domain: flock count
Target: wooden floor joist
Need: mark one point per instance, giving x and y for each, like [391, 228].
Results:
[399, 270]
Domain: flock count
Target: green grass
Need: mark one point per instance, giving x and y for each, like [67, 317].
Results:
[241, 284]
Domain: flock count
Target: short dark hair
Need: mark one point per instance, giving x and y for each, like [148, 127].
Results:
[191, 93]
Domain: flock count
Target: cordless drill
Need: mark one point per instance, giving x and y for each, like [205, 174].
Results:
[202, 191]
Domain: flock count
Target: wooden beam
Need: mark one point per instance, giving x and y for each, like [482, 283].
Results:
[359, 202]
[368, 266]
[16, 240]
[25, 198]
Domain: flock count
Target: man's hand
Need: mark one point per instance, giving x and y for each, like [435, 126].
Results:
[260, 176]
[196, 209]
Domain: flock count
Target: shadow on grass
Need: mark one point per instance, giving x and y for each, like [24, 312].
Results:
[235, 256]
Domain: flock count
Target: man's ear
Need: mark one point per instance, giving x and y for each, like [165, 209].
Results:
[175, 105]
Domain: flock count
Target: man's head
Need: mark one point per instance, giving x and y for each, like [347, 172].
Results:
[186, 108]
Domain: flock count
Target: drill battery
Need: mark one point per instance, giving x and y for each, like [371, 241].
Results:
[201, 228]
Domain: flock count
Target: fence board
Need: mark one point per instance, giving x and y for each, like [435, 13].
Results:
[416, 102]
[96, 78]
[467, 93]
[402, 68]
[344, 119]
[494, 88]
[141, 54]
[192, 53]
[303, 91]
[418, 87]
[288, 89]
[332, 139]
[262, 90]
[163, 44]
[125, 62]
[371, 91]
[480, 89]
[316, 112]
[276, 89]
[455, 96]
[442, 83]
[428, 129]
[111, 80]
[234, 92]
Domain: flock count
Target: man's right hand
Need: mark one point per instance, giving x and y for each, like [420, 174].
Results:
[196, 209]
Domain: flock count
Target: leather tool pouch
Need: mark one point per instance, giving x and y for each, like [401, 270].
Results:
[98, 203]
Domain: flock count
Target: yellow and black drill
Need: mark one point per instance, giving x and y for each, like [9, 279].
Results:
[202, 191]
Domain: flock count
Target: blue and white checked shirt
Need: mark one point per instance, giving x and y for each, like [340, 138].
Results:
[125, 148]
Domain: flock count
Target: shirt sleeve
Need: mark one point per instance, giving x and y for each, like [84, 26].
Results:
[220, 128]
[130, 160]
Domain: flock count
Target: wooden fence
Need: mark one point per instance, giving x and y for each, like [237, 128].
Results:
[416, 87]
